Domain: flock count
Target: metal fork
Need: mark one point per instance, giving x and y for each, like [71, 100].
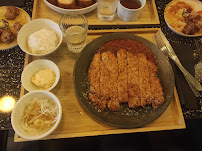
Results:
[171, 54]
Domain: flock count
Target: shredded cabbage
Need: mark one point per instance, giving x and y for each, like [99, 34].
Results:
[39, 116]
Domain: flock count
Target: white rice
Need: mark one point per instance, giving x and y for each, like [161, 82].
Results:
[42, 41]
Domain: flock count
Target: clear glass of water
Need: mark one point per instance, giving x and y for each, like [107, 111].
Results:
[74, 28]
[106, 9]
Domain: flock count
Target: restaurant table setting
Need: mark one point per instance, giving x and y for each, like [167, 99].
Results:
[83, 35]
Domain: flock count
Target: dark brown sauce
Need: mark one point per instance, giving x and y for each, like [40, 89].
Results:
[132, 46]
[131, 4]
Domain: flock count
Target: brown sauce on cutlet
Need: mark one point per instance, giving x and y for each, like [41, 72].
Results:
[132, 46]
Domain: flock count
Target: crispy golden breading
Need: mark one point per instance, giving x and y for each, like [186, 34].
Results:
[124, 77]
[133, 81]
[110, 63]
[155, 85]
[144, 80]
[157, 91]
[94, 75]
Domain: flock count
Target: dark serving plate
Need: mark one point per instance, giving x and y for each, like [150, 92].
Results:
[125, 117]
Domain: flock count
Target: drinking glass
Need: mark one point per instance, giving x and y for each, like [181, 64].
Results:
[106, 9]
[74, 28]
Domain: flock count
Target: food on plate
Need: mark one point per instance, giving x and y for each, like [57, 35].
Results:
[11, 20]
[39, 116]
[124, 71]
[66, 3]
[7, 36]
[17, 26]
[11, 12]
[44, 78]
[42, 41]
[185, 16]
[85, 3]
[72, 4]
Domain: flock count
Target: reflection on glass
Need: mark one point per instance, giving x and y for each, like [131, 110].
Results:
[7, 103]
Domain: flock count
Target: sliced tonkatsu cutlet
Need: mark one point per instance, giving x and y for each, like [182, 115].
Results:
[122, 76]
[157, 97]
[144, 80]
[133, 81]
[109, 77]
[94, 79]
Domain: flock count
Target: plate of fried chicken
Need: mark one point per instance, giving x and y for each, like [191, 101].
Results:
[123, 80]
[184, 17]
[12, 19]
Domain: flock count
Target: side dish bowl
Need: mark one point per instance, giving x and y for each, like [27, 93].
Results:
[36, 25]
[19, 108]
[71, 11]
[32, 68]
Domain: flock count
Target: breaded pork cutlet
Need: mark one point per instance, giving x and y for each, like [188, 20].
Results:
[108, 81]
[94, 79]
[133, 81]
[145, 89]
[157, 97]
[122, 76]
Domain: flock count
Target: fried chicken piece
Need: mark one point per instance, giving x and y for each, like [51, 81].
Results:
[7, 36]
[122, 76]
[144, 80]
[1, 30]
[94, 79]
[108, 80]
[133, 81]
[17, 26]
[11, 12]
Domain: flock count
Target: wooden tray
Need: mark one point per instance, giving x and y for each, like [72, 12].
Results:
[75, 121]
[148, 16]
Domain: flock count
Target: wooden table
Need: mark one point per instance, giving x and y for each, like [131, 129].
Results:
[75, 121]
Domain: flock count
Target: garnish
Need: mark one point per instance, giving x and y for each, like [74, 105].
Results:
[186, 15]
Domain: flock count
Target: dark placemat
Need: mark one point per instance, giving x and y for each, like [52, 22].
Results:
[11, 67]
[18, 3]
[173, 37]
[186, 96]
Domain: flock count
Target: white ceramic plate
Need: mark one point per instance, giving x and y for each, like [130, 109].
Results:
[32, 68]
[72, 11]
[22, 18]
[167, 17]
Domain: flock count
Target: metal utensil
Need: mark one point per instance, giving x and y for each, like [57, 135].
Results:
[167, 49]
[196, 92]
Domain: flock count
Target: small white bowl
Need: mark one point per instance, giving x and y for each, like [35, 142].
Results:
[19, 109]
[33, 26]
[71, 11]
[32, 68]
[129, 15]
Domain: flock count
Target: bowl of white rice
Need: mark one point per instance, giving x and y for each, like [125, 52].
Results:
[40, 37]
